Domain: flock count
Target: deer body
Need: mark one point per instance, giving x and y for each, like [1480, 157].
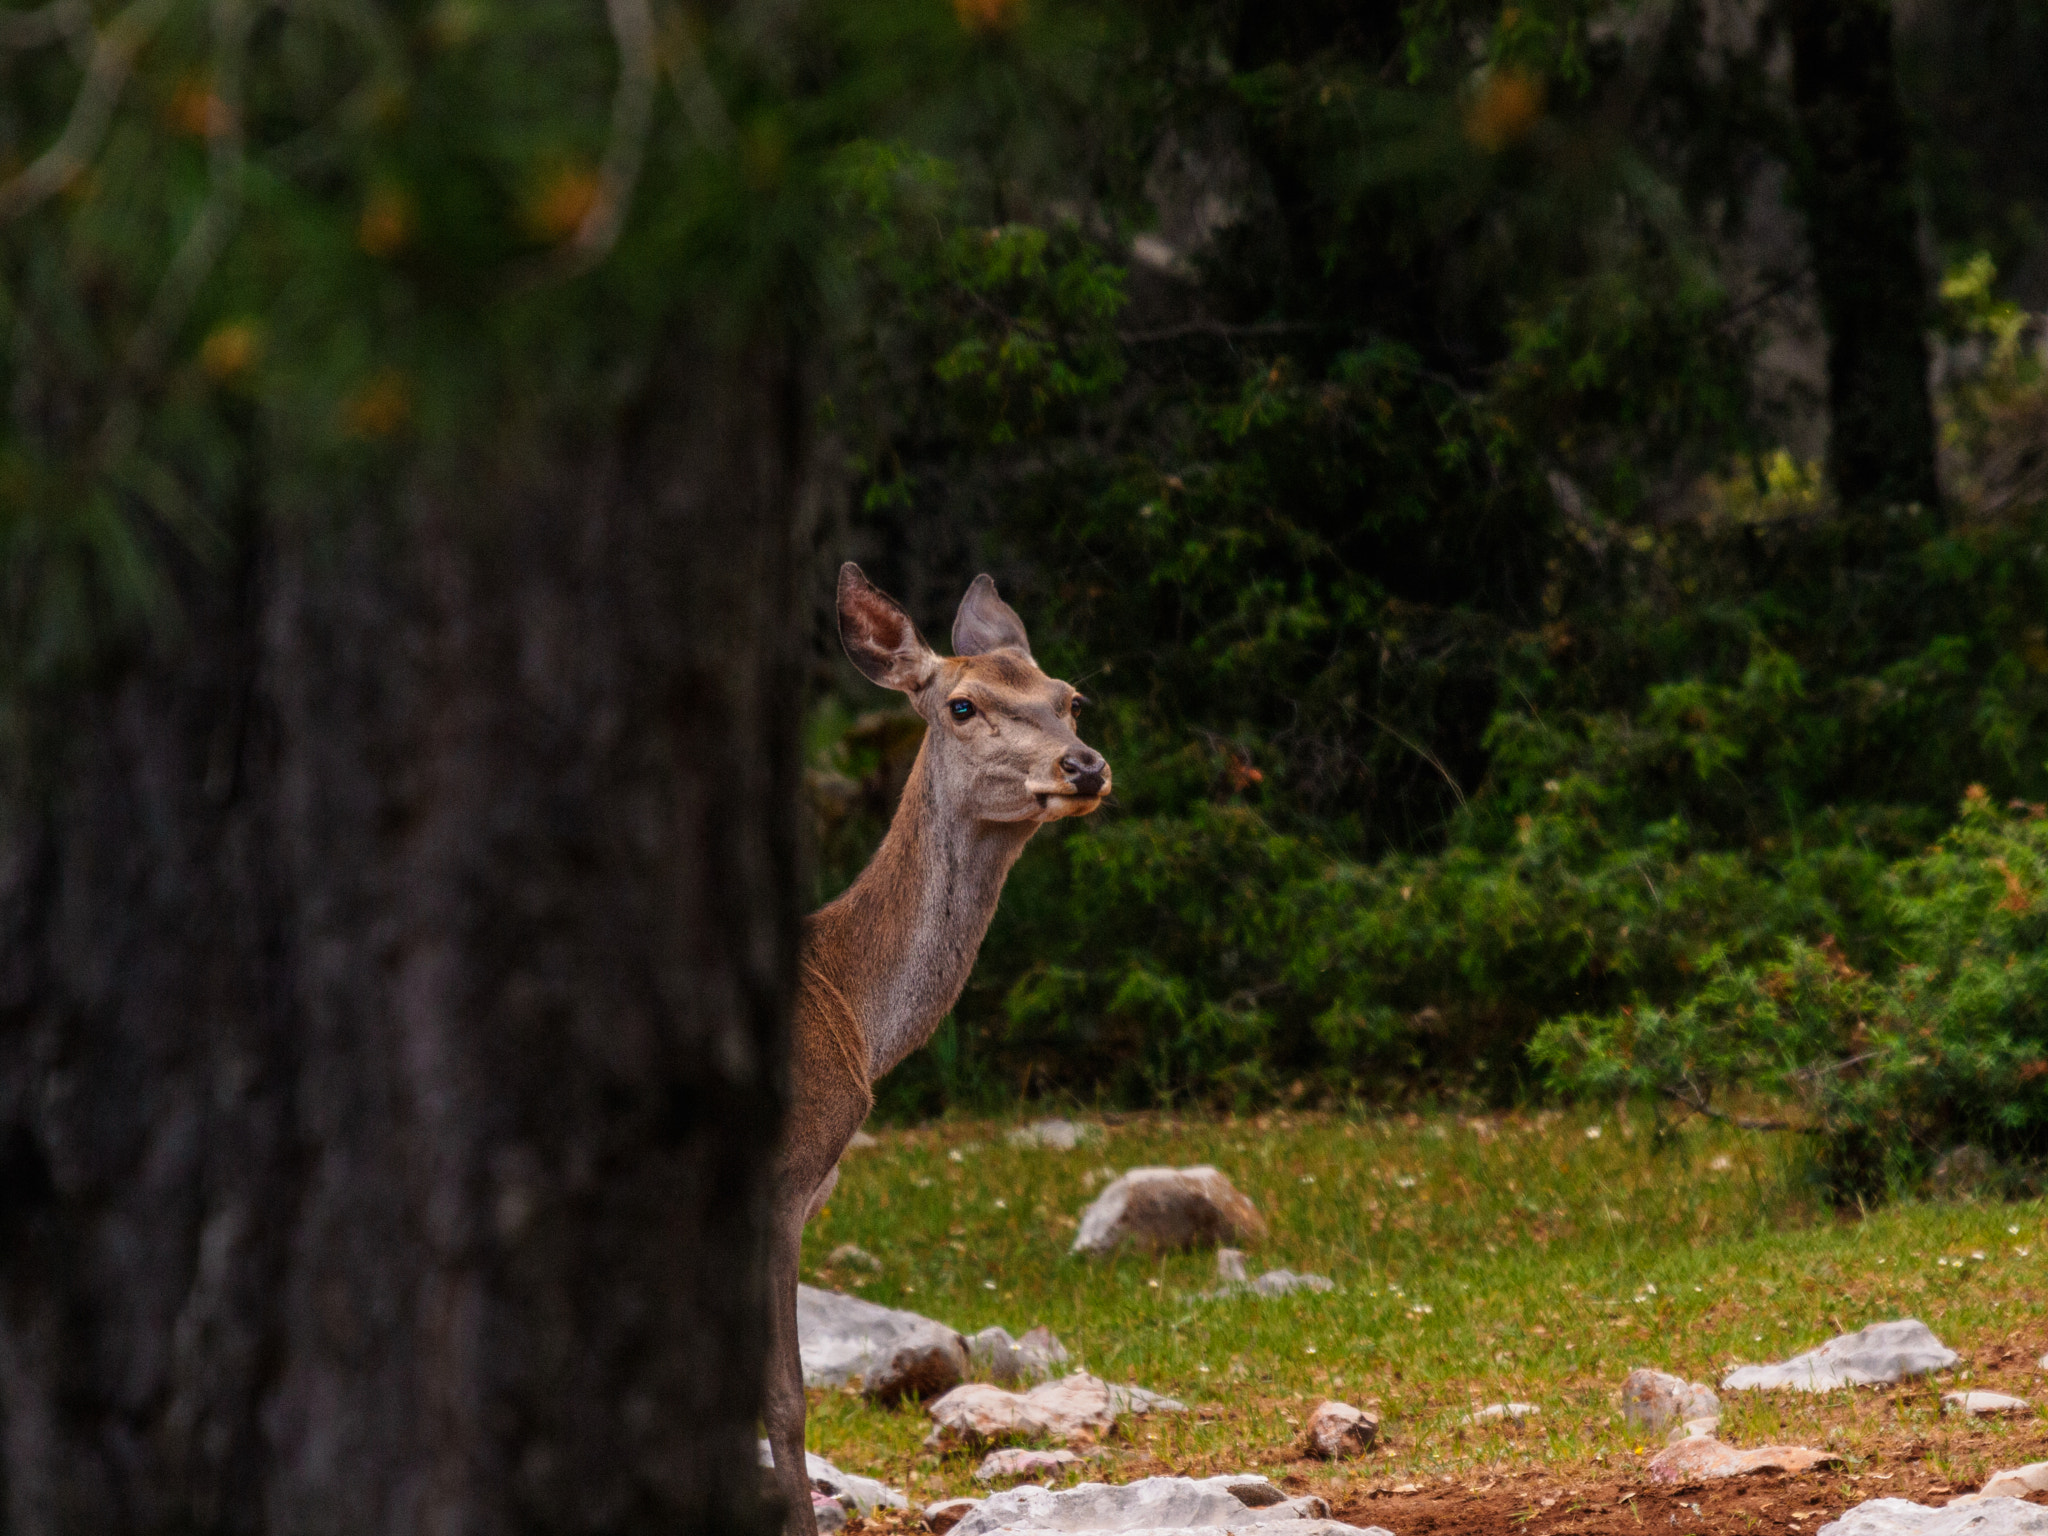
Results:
[884, 963]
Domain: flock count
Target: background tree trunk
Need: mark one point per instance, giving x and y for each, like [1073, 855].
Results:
[393, 975]
[1852, 179]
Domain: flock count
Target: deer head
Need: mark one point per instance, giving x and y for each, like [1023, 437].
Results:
[1000, 734]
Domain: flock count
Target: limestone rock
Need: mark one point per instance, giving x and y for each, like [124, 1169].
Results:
[1052, 1135]
[861, 1140]
[1154, 1505]
[994, 1356]
[1650, 1400]
[890, 1354]
[1883, 1352]
[1278, 1282]
[1694, 1429]
[1494, 1413]
[1982, 1404]
[1016, 1461]
[978, 1414]
[942, 1515]
[1165, 1209]
[1706, 1457]
[1137, 1402]
[1230, 1266]
[860, 1494]
[1979, 1517]
[828, 1512]
[853, 1256]
[2017, 1483]
[1336, 1431]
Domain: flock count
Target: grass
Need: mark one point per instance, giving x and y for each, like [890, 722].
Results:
[1531, 1257]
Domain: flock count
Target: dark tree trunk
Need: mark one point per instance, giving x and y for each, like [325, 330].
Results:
[1853, 183]
[393, 977]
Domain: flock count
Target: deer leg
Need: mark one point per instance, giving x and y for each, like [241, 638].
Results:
[785, 1384]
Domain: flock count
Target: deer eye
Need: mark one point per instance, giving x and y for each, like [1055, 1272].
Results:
[1074, 704]
[962, 709]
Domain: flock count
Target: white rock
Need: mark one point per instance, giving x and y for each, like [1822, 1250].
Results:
[1154, 1504]
[1230, 1266]
[1493, 1413]
[828, 1512]
[994, 1356]
[854, 1256]
[1883, 1352]
[2017, 1483]
[1017, 1461]
[1983, 1404]
[1652, 1399]
[1338, 1430]
[860, 1140]
[1979, 1517]
[1694, 1429]
[1278, 1282]
[844, 1340]
[943, 1514]
[1053, 1135]
[979, 1414]
[860, 1494]
[1137, 1402]
[1161, 1209]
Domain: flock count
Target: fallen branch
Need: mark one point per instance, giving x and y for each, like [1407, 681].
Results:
[1699, 1106]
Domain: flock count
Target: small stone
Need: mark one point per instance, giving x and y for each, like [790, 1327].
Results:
[861, 1139]
[1160, 1210]
[1042, 1354]
[859, 1494]
[1278, 1282]
[1230, 1266]
[1706, 1457]
[1052, 1135]
[1883, 1352]
[926, 1363]
[944, 1514]
[1983, 1404]
[992, 1356]
[1137, 1402]
[827, 1511]
[2017, 1483]
[1979, 1517]
[1254, 1490]
[1494, 1413]
[1337, 1431]
[1652, 1399]
[1015, 1461]
[853, 1256]
[1694, 1429]
[845, 1340]
[978, 1414]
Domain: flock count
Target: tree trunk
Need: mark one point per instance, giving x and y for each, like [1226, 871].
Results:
[392, 987]
[1852, 179]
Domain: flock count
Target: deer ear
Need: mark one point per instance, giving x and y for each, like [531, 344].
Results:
[986, 623]
[879, 637]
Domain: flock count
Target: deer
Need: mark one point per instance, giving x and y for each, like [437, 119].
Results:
[880, 967]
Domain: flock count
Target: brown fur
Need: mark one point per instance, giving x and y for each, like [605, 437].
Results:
[884, 963]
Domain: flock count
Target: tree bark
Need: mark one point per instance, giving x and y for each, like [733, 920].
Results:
[1852, 180]
[392, 988]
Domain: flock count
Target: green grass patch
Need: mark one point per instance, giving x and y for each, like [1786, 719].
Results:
[1531, 1257]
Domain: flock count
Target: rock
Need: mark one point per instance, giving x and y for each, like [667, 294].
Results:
[1493, 1413]
[1137, 1402]
[853, 1256]
[1652, 1399]
[1883, 1352]
[890, 1354]
[943, 1514]
[1982, 1404]
[994, 1356]
[1979, 1517]
[1694, 1429]
[827, 1511]
[1019, 1462]
[860, 1494]
[2018, 1483]
[978, 1414]
[1157, 1506]
[1163, 1209]
[1230, 1266]
[1252, 1489]
[1336, 1431]
[1706, 1457]
[1278, 1282]
[1053, 1135]
[860, 1140]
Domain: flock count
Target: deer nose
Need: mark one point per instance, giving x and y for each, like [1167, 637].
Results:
[1085, 770]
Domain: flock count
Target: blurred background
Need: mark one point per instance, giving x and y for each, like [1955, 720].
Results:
[1549, 502]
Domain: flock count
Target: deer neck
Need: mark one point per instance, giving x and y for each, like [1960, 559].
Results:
[909, 928]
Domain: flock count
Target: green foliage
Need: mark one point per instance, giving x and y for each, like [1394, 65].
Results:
[1944, 1043]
